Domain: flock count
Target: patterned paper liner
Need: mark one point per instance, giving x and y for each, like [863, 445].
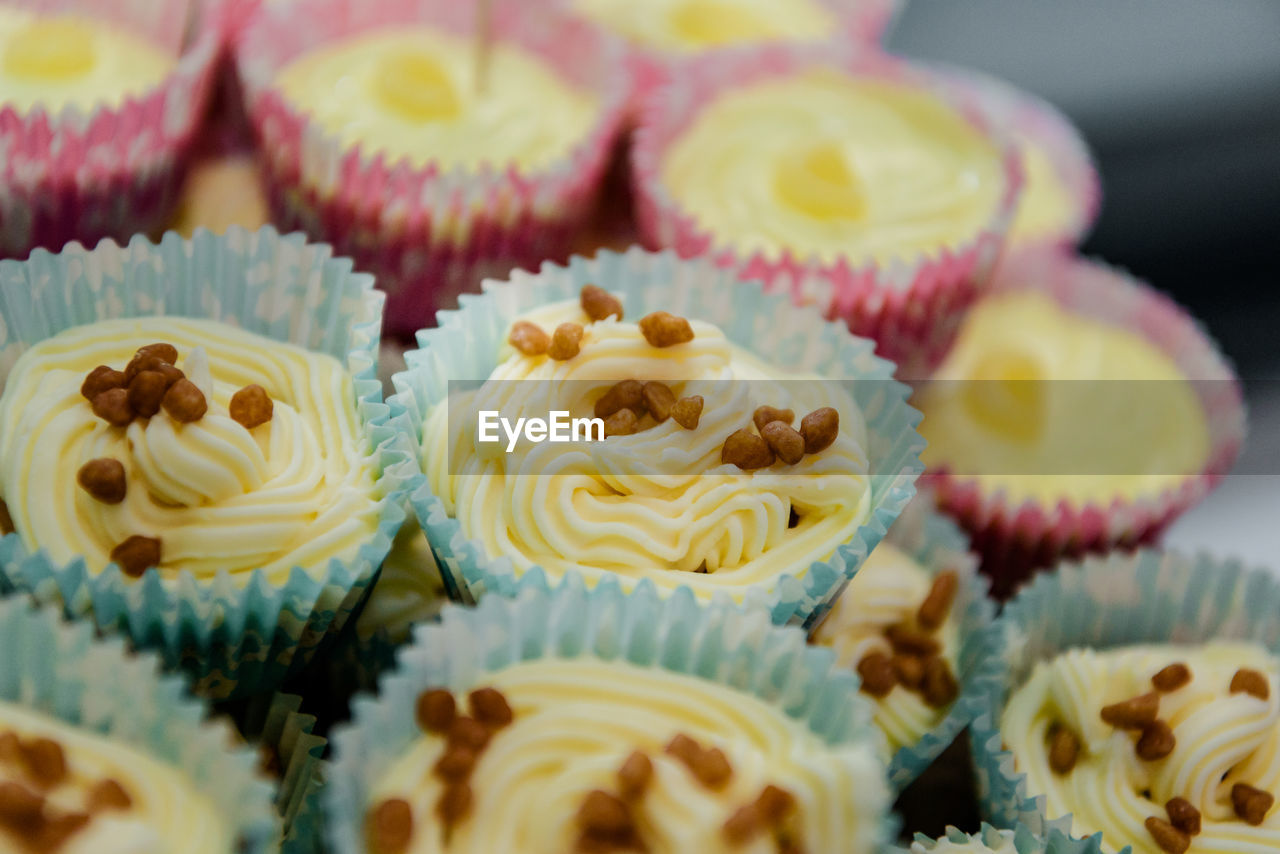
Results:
[234, 636]
[1024, 841]
[428, 235]
[1015, 540]
[116, 171]
[466, 345]
[1145, 597]
[63, 671]
[911, 307]
[720, 644]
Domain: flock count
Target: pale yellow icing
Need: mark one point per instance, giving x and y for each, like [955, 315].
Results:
[1046, 207]
[168, 814]
[1032, 393]
[65, 61]
[577, 720]
[297, 491]
[887, 590]
[409, 588]
[825, 164]
[609, 507]
[1221, 739]
[412, 93]
[688, 26]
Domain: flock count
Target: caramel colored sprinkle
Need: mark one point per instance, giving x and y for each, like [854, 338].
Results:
[775, 803]
[711, 766]
[108, 795]
[137, 554]
[469, 733]
[45, 761]
[1250, 682]
[10, 747]
[597, 303]
[602, 814]
[1135, 713]
[19, 806]
[1168, 837]
[746, 450]
[529, 338]
[391, 827]
[905, 639]
[566, 342]
[185, 402]
[635, 775]
[456, 763]
[621, 423]
[939, 688]
[877, 674]
[454, 804]
[1172, 677]
[104, 479]
[785, 441]
[100, 379]
[166, 353]
[146, 391]
[767, 415]
[435, 710]
[1064, 749]
[661, 329]
[251, 407]
[142, 362]
[819, 429]
[490, 708]
[744, 825]
[1250, 804]
[909, 670]
[687, 411]
[53, 832]
[658, 399]
[113, 407]
[1156, 741]
[1183, 816]
[627, 394]
[937, 604]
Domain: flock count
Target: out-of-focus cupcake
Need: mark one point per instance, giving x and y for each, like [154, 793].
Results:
[991, 840]
[576, 720]
[914, 623]
[851, 181]
[194, 447]
[1139, 701]
[386, 134]
[1079, 411]
[98, 753]
[746, 448]
[100, 104]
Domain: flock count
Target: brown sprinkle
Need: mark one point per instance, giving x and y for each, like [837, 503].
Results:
[436, 710]
[767, 415]
[104, 479]
[1168, 837]
[604, 815]
[184, 401]
[658, 399]
[687, 411]
[597, 303]
[1064, 749]
[169, 372]
[621, 423]
[137, 554]
[251, 407]
[909, 670]
[113, 407]
[456, 763]
[1250, 804]
[1171, 677]
[905, 639]
[454, 803]
[19, 806]
[635, 775]
[877, 674]
[744, 825]
[108, 795]
[391, 827]
[775, 804]
[146, 391]
[1135, 713]
[710, 766]
[1156, 741]
[10, 747]
[566, 342]
[100, 379]
[142, 362]
[54, 832]
[529, 338]
[45, 761]
[939, 688]
[490, 708]
[628, 394]
[661, 329]
[469, 733]
[785, 441]
[166, 353]
[937, 604]
[819, 429]
[746, 450]
[1251, 682]
[1183, 816]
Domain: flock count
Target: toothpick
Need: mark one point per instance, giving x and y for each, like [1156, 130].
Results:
[484, 43]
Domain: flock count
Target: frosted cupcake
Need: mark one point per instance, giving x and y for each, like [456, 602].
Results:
[383, 133]
[745, 449]
[1078, 411]
[858, 184]
[584, 721]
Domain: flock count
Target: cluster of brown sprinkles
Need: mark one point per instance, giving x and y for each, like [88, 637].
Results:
[776, 439]
[148, 384]
[35, 767]
[1155, 741]
[916, 662]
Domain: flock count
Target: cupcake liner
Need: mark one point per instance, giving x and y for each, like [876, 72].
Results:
[724, 645]
[1147, 597]
[1024, 841]
[466, 344]
[1016, 539]
[234, 637]
[428, 235]
[115, 171]
[61, 670]
[911, 307]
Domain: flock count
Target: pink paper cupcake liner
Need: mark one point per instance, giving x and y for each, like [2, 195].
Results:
[428, 235]
[115, 171]
[912, 308]
[1014, 541]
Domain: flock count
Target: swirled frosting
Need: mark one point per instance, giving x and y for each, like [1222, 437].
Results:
[657, 504]
[297, 491]
[1046, 404]
[167, 813]
[575, 722]
[887, 591]
[1222, 739]
[57, 61]
[828, 165]
[411, 93]
[1046, 206]
[688, 26]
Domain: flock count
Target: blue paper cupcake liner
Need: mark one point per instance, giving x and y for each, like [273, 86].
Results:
[234, 638]
[61, 670]
[1024, 842]
[466, 346]
[1145, 597]
[722, 644]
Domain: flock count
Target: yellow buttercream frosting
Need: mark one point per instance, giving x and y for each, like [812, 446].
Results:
[1221, 739]
[829, 165]
[577, 720]
[887, 591]
[1047, 404]
[688, 26]
[1046, 206]
[60, 61]
[167, 813]
[298, 490]
[658, 504]
[412, 93]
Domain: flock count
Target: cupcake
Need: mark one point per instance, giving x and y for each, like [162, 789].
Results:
[580, 720]
[851, 181]
[991, 840]
[1078, 411]
[914, 623]
[385, 132]
[100, 104]
[729, 443]
[1138, 701]
[223, 483]
[99, 753]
